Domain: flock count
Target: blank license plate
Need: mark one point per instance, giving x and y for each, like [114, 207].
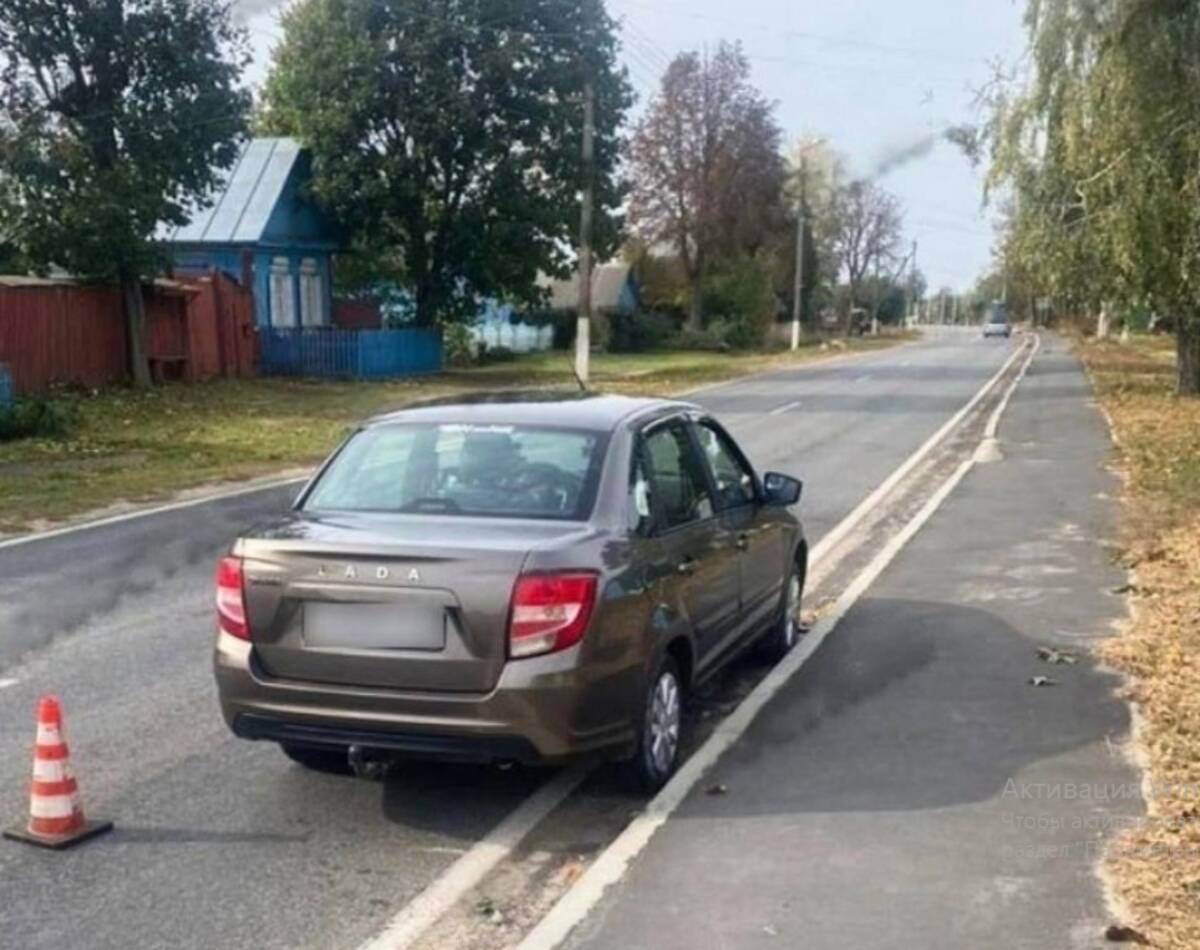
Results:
[374, 626]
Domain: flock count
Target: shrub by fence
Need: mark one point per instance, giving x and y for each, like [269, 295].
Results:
[6, 387]
[327, 353]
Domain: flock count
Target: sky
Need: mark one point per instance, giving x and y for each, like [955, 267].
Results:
[872, 77]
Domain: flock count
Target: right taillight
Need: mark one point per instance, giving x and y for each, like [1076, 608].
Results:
[550, 612]
[231, 598]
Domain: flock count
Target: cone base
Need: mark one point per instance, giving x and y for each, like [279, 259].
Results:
[55, 843]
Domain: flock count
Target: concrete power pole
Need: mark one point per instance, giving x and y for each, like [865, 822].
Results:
[798, 286]
[910, 301]
[583, 325]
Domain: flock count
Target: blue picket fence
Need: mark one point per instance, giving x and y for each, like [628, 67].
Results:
[7, 389]
[349, 354]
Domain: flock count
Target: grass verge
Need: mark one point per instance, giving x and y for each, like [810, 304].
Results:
[135, 447]
[1155, 867]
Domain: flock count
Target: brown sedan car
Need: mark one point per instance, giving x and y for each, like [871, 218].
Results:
[512, 578]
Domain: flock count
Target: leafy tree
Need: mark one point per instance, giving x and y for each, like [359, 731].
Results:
[446, 135]
[116, 117]
[866, 223]
[706, 166]
[1103, 151]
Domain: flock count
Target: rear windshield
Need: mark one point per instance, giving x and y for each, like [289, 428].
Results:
[493, 471]
[997, 313]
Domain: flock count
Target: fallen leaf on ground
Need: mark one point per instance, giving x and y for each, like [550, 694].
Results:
[1051, 655]
[569, 873]
[1119, 934]
[1042, 681]
[717, 789]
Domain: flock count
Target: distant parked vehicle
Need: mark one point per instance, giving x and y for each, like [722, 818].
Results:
[995, 321]
[522, 578]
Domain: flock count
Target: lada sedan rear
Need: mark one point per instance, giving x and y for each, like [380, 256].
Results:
[512, 578]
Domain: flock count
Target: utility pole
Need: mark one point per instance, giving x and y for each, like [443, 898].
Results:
[909, 301]
[798, 286]
[583, 324]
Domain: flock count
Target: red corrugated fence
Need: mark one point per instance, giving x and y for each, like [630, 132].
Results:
[57, 331]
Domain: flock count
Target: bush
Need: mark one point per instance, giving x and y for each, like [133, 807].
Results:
[496, 354]
[707, 340]
[639, 332]
[741, 301]
[34, 418]
[458, 345]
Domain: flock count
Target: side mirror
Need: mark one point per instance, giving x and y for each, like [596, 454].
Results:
[781, 491]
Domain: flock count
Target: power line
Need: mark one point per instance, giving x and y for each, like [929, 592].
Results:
[775, 30]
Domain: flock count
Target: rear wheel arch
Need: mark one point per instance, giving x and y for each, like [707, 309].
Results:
[680, 649]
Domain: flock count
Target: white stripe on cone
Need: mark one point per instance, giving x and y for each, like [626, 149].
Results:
[50, 770]
[48, 735]
[52, 806]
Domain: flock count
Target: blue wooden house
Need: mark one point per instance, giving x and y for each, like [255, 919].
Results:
[262, 231]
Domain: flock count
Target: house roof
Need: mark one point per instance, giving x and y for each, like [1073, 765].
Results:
[608, 281]
[243, 206]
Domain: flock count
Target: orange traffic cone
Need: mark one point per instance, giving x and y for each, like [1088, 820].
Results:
[55, 816]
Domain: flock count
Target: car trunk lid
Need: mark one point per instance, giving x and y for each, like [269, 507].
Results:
[387, 601]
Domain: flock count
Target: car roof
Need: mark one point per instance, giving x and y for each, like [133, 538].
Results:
[555, 408]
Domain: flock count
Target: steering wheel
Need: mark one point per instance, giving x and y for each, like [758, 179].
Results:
[547, 483]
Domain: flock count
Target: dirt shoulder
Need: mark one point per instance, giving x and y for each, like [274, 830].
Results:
[1155, 868]
[125, 449]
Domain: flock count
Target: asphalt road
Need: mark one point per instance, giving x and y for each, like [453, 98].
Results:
[222, 843]
[909, 787]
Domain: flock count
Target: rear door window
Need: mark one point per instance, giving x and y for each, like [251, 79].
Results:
[678, 484]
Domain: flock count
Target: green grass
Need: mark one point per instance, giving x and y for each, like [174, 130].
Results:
[127, 446]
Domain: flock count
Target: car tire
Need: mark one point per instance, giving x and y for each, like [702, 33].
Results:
[785, 631]
[659, 732]
[319, 759]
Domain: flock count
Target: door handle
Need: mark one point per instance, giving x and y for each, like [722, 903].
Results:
[687, 566]
[743, 541]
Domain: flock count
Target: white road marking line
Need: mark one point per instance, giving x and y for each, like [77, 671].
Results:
[426, 908]
[574, 906]
[6, 683]
[835, 536]
[147, 512]
[863, 379]
[780, 410]
[994, 422]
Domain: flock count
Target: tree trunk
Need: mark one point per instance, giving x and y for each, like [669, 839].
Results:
[1103, 322]
[695, 318]
[1187, 351]
[134, 307]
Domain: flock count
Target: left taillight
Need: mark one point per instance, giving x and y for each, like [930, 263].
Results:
[231, 598]
[550, 612]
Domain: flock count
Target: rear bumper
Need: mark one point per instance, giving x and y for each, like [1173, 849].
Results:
[544, 709]
[417, 745]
